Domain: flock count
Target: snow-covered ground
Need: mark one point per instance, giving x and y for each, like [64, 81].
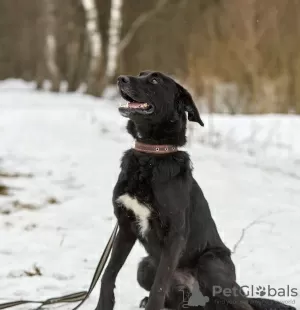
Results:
[59, 158]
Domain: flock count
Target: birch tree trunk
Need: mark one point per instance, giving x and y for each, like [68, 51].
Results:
[105, 53]
[95, 42]
[50, 46]
[114, 38]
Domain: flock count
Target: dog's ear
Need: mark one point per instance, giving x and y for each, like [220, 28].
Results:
[185, 99]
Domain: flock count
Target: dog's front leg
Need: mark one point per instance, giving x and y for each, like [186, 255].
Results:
[123, 244]
[168, 263]
[174, 207]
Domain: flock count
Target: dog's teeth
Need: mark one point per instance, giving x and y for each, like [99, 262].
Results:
[124, 105]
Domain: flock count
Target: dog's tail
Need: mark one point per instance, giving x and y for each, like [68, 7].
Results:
[268, 304]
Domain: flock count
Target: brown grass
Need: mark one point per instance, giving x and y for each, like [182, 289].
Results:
[36, 271]
[52, 201]
[25, 206]
[4, 190]
[15, 175]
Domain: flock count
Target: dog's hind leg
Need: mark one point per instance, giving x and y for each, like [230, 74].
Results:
[146, 273]
[217, 281]
[145, 276]
[180, 288]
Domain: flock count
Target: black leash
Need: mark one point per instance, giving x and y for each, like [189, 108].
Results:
[79, 296]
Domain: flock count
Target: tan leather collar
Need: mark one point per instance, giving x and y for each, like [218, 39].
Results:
[155, 148]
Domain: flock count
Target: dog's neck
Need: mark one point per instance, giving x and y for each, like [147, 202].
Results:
[167, 133]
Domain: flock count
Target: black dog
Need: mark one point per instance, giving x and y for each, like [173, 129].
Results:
[157, 201]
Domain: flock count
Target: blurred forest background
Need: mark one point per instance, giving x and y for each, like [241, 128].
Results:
[240, 56]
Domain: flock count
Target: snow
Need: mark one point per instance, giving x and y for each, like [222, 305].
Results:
[58, 215]
[15, 84]
[272, 140]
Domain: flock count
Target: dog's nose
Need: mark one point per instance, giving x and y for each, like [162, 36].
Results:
[123, 79]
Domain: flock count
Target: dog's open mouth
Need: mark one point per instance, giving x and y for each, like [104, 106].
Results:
[133, 106]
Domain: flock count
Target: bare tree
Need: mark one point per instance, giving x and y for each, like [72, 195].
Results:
[114, 37]
[105, 53]
[210, 45]
[95, 42]
[50, 47]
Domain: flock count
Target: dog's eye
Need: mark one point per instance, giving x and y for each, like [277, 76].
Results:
[154, 81]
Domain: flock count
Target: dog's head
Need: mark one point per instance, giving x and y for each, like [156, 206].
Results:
[153, 97]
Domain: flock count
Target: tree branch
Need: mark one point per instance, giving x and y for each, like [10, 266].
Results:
[245, 229]
[142, 19]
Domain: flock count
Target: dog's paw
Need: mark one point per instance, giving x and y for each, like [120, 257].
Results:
[144, 302]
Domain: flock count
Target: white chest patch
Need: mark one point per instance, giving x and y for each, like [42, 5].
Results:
[141, 212]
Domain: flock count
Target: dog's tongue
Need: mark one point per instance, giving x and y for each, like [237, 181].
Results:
[136, 105]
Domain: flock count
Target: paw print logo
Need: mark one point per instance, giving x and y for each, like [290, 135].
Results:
[196, 299]
[261, 291]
